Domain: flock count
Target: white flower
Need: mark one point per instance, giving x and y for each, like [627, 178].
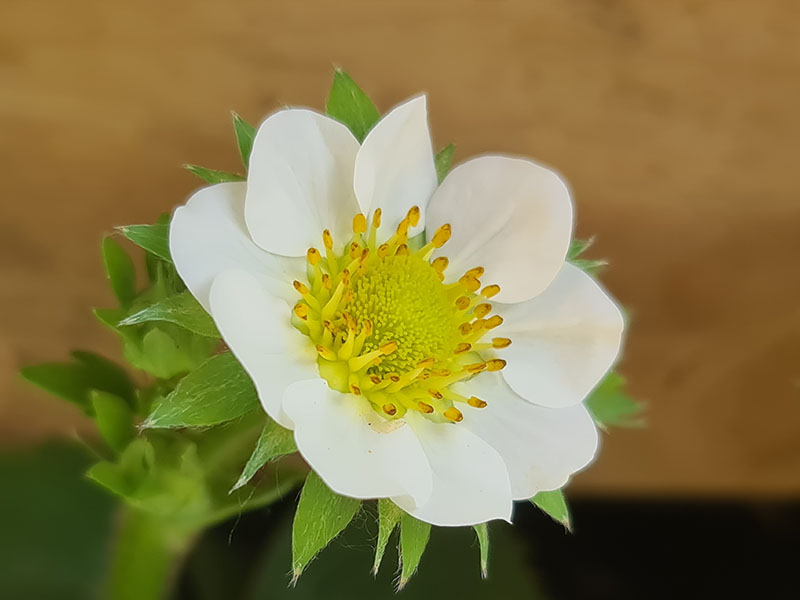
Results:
[397, 376]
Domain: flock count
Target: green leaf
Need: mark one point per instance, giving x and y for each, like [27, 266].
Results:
[555, 505]
[217, 391]
[114, 419]
[212, 175]
[275, 441]
[611, 406]
[414, 535]
[120, 271]
[321, 516]
[444, 159]
[182, 310]
[389, 515]
[482, 531]
[106, 375]
[578, 247]
[245, 134]
[153, 238]
[350, 105]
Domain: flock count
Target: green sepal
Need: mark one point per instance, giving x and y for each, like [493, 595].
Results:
[120, 271]
[389, 515]
[275, 441]
[219, 390]
[182, 310]
[212, 175]
[114, 419]
[443, 160]
[414, 536]
[153, 238]
[555, 505]
[75, 380]
[578, 247]
[482, 531]
[349, 104]
[245, 134]
[612, 407]
[321, 516]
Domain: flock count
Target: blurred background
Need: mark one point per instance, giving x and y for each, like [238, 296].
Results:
[676, 124]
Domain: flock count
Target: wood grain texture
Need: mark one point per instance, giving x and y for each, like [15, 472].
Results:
[675, 122]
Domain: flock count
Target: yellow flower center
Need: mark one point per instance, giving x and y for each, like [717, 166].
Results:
[387, 327]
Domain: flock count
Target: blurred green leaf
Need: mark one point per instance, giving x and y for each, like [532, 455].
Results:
[444, 158]
[153, 238]
[321, 516]
[414, 535]
[348, 104]
[554, 504]
[212, 175]
[114, 419]
[219, 390]
[389, 515]
[245, 134]
[612, 407]
[119, 270]
[182, 310]
[482, 531]
[275, 441]
[578, 247]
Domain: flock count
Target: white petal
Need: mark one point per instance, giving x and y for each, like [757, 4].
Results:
[541, 446]
[334, 434]
[470, 480]
[563, 341]
[208, 236]
[300, 181]
[256, 326]
[510, 216]
[395, 168]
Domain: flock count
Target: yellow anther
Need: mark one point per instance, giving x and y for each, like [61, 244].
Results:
[402, 250]
[453, 414]
[383, 250]
[346, 277]
[476, 272]
[355, 250]
[476, 402]
[413, 216]
[442, 235]
[313, 256]
[490, 290]
[495, 364]
[388, 347]
[359, 223]
[326, 281]
[470, 283]
[376, 218]
[493, 321]
[402, 228]
[482, 310]
[425, 407]
[354, 389]
[375, 379]
[465, 328]
[366, 328]
[462, 348]
[500, 342]
[440, 263]
[426, 363]
[394, 377]
[327, 239]
[436, 394]
[326, 353]
[301, 310]
[462, 303]
[389, 409]
[300, 287]
[441, 373]
[475, 367]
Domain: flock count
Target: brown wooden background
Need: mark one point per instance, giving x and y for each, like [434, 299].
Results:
[676, 122]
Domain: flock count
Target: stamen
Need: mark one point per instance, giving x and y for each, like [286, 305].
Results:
[413, 216]
[359, 223]
[441, 235]
[500, 342]
[462, 348]
[402, 250]
[470, 283]
[475, 367]
[476, 272]
[300, 287]
[482, 310]
[476, 402]
[453, 414]
[326, 353]
[388, 348]
[425, 407]
[493, 321]
[462, 303]
[313, 256]
[301, 310]
[490, 290]
[495, 364]
[390, 409]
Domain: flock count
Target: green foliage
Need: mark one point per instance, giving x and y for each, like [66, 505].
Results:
[348, 104]
[74, 381]
[217, 391]
[612, 407]
[321, 516]
[212, 175]
[443, 160]
[482, 532]
[414, 536]
[578, 247]
[153, 238]
[554, 504]
[275, 441]
[389, 515]
[120, 271]
[182, 310]
[114, 419]
[245, 134]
